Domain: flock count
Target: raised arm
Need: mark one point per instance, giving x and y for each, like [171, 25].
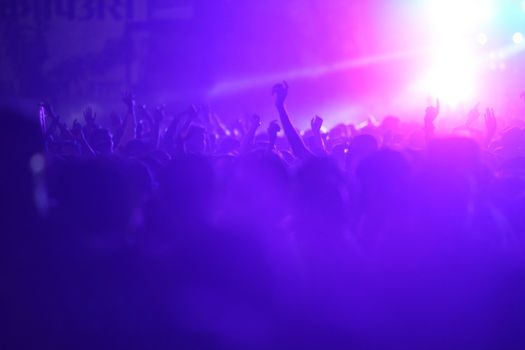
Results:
[318, 143]
[273, 129]
[298, 147]
[130, 121]
[430, 116]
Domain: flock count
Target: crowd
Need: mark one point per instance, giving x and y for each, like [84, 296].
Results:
[182, 231]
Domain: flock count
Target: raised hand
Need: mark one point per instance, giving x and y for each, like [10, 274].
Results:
[295, 140]
[273, 130]
[430, 116]
[317, 146]
[432, 112]
[316, 124]
[129, 125]
[281, 92]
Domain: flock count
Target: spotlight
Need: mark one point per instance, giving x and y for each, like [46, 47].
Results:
[517, 38]
[482, 39]
[484, 9]
[452, 76]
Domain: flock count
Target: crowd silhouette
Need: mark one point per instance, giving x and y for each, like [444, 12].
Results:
[181, 231]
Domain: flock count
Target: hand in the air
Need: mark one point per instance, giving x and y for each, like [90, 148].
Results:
[432, 112]
[281, 92]
[316, 123]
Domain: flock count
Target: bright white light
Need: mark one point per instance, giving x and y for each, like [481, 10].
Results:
[517, 38]
[482, 39]
[464, 12]
[523, 6]
[454, 65]
[452, 76]
[484, 9]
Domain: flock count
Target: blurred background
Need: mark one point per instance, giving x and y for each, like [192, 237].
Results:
[343, 59]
